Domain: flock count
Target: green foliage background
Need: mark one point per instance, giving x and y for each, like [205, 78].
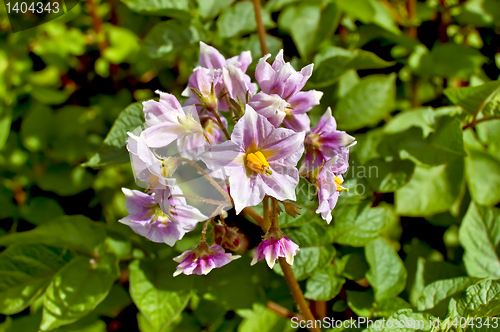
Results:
[417, 236]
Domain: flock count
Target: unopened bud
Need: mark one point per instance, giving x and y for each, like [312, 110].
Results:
[291, 209]
[227, 237]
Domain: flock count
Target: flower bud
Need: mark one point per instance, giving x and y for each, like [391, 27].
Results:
[227, 237]
[291, 209]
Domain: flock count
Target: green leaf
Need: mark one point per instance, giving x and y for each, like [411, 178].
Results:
[77, 289]
[169, 36]
[357, 225]
[170, 8]
[431, 190]
[481, 13]
[358, 9]
[113, 148]
[370, 11]
[65, 180]
[364, 304]
[276, 5]
[424, 266]
[159, 296]
[49, 96]
[367, 103]
[117, 300]
[480, 236]
[473, 98]
[442, 61]
[252, 44]
[387, 273]
[237, 285]
[84, 325]
[74, 232]
[480, 300]
[334, 61]
[240, 19]
[311, 24]
[259, 318]
[122, 44]
[25, 272]
[36, 127]
[324, 285]
[421, 117]
[41, 209]
[355, 266]
[483, 177]
[303, 28]
[383, 17]
[441, 147]
[210, 8]
[307, 207]
[389, 175]
[398, 322]
[315, 251]
[435, 296]
[5, 122]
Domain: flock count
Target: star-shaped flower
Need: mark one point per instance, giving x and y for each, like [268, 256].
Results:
[259, 159]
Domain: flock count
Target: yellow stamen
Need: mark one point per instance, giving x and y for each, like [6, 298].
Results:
[258, 163]
[153, 181]
[338, 182]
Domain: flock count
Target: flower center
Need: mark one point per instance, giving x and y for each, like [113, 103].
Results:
[258, 163]
[189, 123]
[312, 141]
[338, 182]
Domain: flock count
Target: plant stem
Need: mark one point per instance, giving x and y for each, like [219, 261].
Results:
[219, 123]
[475, 122]
[261, 221]
[231, 110]
[260, 27]
[204, 200]
[218, 211]
[282, 311]
[97, 23]
[412, 10]
[291, 281]
[204, 231]
[265, 204]
[207, 138]
[274, 216]
[297, 294]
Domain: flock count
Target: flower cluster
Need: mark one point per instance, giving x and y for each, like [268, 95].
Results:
[257, 161]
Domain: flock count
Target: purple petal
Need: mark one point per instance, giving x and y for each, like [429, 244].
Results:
[289, 249]
[226, 155]
[281, 184]
[264, 74]
[211, 58]
[245, 190]
[137, 202]
[304, 101]
[252, 130]
[144, 161]
[234, 81]
[326, 123]
[272, 107]
[162, 134]
[278, 61]
[297, 122]
[284, 144]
